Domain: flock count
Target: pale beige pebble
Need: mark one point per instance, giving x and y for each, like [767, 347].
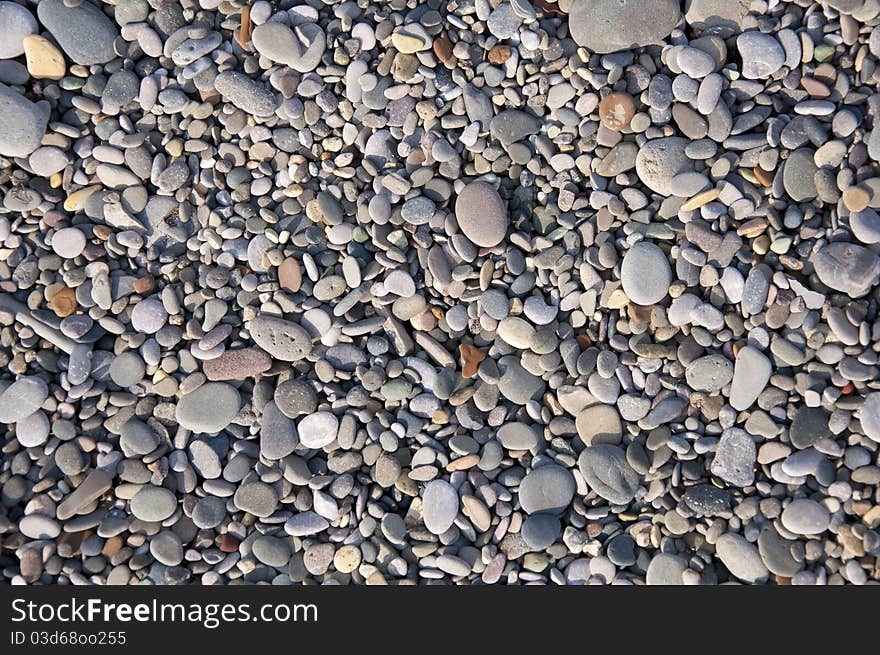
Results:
[44, 60]
[77, 200]
[347, 559]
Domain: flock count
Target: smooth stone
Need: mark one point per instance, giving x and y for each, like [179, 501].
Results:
[33, 430]
[607, 472]
[512, 125]
[305, 524]
[645, 273]
[518, 436]
[22, 398]
[84, 32]
[271, 551]
[439, 506]
[127, 369]
[798, 175]
[318, 429]
[751, 373]
[869, 416]
[761, 55]
[810, 425]
[256, 498]
[540, 531]
[665, 570]
[16, 22]
[209, 408]
[806, 517]
[599, 424]
[605, 26]
[481, 214]
[39, 526]
[296, 397]
[153, 504]
[777, 552]
[549, 488]
[847, 267]
[22, 123]
[741, 558]
[209, 512]
[278, 435]
[149, 315]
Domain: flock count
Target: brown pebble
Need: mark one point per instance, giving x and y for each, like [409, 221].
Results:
[499, 54]
[31, 562]
[63, 303]
[290, 275]
[112, 546]
[616, 110]
[443, 49]
[764, 177]
[640, 313]
[815, 88]
[856, 198]
[548, 7]
[229, 544]
[246, 30]
[470, 359]
[238, 364]
[144, 285]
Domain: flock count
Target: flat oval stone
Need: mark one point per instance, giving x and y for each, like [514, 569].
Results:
[741, 558]
[599, 424]
[540, 531]
[518, 436]
[665, 570]
[481, 214]
[805, 516]
[645, 273]
[318, 429]
[710, 373]
[209, 512]
[847, 267]
[607, 472]
[777, 553]
[605, 26]
[284, 340]
[83, 31]
[39, 526]
[153, 504]
[256, 498]
[278, 435]
[208, 409]
[869, 416]
[22, 398]
[439, 506]
[549, 488]
[22, 123]
[16, 22]
[751, 372]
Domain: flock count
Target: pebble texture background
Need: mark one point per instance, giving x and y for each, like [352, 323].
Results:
[440, 292]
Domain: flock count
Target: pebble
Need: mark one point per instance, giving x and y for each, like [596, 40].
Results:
[22, 398]
[607, 472]
[209, 408]
[509, 292]
[318, 429]
[735, 458]
[645, 274]
[610, 25]
[83, 31]
[439, 506]
[22, 123]
[281, 339]
[741, 558]
[16, 23]
[805, 516]
[153, 504]
[481, 215]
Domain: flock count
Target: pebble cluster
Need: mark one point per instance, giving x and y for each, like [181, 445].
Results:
[440, 291]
